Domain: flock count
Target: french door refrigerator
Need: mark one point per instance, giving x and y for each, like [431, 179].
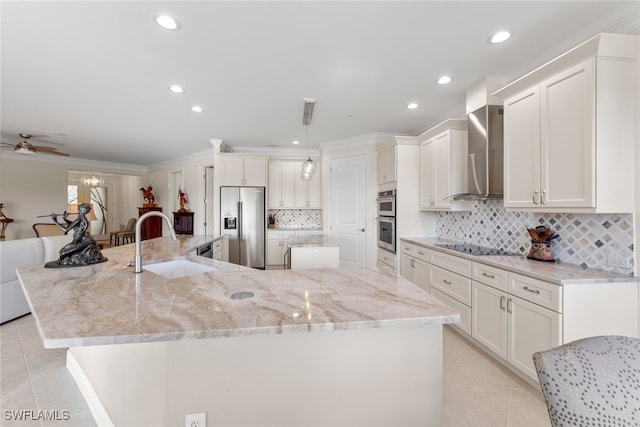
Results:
[243, 219]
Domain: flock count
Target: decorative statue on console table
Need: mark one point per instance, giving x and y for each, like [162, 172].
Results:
[183, 200]
[149, 198]
[83, 249]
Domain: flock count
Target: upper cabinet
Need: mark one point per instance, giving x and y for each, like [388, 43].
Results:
[288, 191]
[387, 165]
[240, 170]
[443, 166]
[569, 130]
[307, 193]
[281, 187]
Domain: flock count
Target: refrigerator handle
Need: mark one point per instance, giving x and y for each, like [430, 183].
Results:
[239, 220]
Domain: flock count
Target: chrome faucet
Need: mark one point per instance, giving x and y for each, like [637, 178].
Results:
[138, 257]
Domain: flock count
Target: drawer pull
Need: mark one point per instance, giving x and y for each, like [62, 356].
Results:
[533, 291]
[420, 253]
[502, 298]
[446, 282]
[490, 276]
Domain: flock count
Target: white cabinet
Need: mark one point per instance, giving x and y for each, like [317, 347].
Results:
[307, 193]
[277, 247]
[387, 165]
[443, 166]
[569, 129]
[550, 151]
[244, 171]
[512, 327]
[216, 248]
[288, 191]
[449, 280]
[281, 185]
[414, 265]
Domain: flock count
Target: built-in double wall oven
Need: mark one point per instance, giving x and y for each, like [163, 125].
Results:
[387, 220]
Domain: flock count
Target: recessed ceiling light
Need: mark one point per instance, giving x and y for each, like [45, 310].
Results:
[196, 108]
[295, 142]
[176, 89]
[167, 22]
[412, 105]
[444, 80]
[500, 36]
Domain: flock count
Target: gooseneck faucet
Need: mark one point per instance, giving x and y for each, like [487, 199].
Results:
[138, 257]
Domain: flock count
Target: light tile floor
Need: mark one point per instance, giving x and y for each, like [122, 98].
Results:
[478, 391]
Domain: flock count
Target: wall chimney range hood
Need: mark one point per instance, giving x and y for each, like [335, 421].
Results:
[485, 169]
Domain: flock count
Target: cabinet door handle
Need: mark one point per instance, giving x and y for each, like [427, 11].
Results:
[534, 198]
[502, 298]
[533, 291]
[412, 263]
[490, 276]
[446, 282]
[542, 196]
[509, 306]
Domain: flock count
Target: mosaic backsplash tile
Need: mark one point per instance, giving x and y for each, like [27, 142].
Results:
[297, 218]
[585, 239]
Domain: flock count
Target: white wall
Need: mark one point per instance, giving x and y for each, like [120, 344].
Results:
[636, 214]
[37, 185]
[191, 170]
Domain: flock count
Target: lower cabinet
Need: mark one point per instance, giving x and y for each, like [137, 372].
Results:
[511, 327]
[276, 248]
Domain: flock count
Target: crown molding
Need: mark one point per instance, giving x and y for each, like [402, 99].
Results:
[78, 163]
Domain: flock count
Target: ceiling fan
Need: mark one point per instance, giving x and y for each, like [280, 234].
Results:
[25, 147]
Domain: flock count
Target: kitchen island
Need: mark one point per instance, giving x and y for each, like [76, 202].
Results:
[313, 251]
[339, 347]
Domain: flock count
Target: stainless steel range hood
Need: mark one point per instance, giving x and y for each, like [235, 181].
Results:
[485, 170]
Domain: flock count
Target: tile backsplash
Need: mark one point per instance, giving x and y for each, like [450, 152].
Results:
[297, 218]
[585, 239]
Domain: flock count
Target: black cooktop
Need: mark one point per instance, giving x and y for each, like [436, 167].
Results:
[472, 249]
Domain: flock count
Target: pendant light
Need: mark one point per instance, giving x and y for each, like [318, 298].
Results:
[309, 167]
[92, 180]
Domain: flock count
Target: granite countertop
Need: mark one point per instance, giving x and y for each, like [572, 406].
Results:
[552, 272]
[107, 303]
[313, 240]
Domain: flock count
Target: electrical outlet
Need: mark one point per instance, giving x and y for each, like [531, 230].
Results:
[618, 261]
[196, 420]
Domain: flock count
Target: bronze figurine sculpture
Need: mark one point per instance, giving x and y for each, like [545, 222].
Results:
[82, 250]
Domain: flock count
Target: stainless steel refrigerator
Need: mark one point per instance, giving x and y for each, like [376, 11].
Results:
[243, 219]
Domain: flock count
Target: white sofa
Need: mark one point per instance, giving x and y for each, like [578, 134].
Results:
[20, 253]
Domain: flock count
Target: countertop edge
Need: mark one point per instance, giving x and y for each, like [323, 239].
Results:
[498, 261]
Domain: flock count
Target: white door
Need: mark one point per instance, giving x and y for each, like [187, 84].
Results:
[348, 208]
[489, 317]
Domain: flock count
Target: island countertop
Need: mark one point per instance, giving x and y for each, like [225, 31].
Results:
[107, 303]
[312, 240]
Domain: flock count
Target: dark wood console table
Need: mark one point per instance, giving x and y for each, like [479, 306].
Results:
[183, 222]
[152, 226]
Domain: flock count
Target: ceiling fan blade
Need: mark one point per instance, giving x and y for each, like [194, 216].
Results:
[48, 150]
[7, 144]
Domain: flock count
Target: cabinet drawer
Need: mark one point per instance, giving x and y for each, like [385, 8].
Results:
[465, 311]
[452, 284]
[421, 253]
[491, 276]
[536, 291]
[387, 258]
[450, 262]
[407, 248]
[279, 235]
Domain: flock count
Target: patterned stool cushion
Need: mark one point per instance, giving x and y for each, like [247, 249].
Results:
[592, 382]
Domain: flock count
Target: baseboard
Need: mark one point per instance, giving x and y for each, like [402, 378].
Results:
[98, 411]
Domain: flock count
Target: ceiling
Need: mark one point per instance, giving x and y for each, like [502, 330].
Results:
[92, 77]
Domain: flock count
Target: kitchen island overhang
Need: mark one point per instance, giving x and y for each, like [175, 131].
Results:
[350, 346]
